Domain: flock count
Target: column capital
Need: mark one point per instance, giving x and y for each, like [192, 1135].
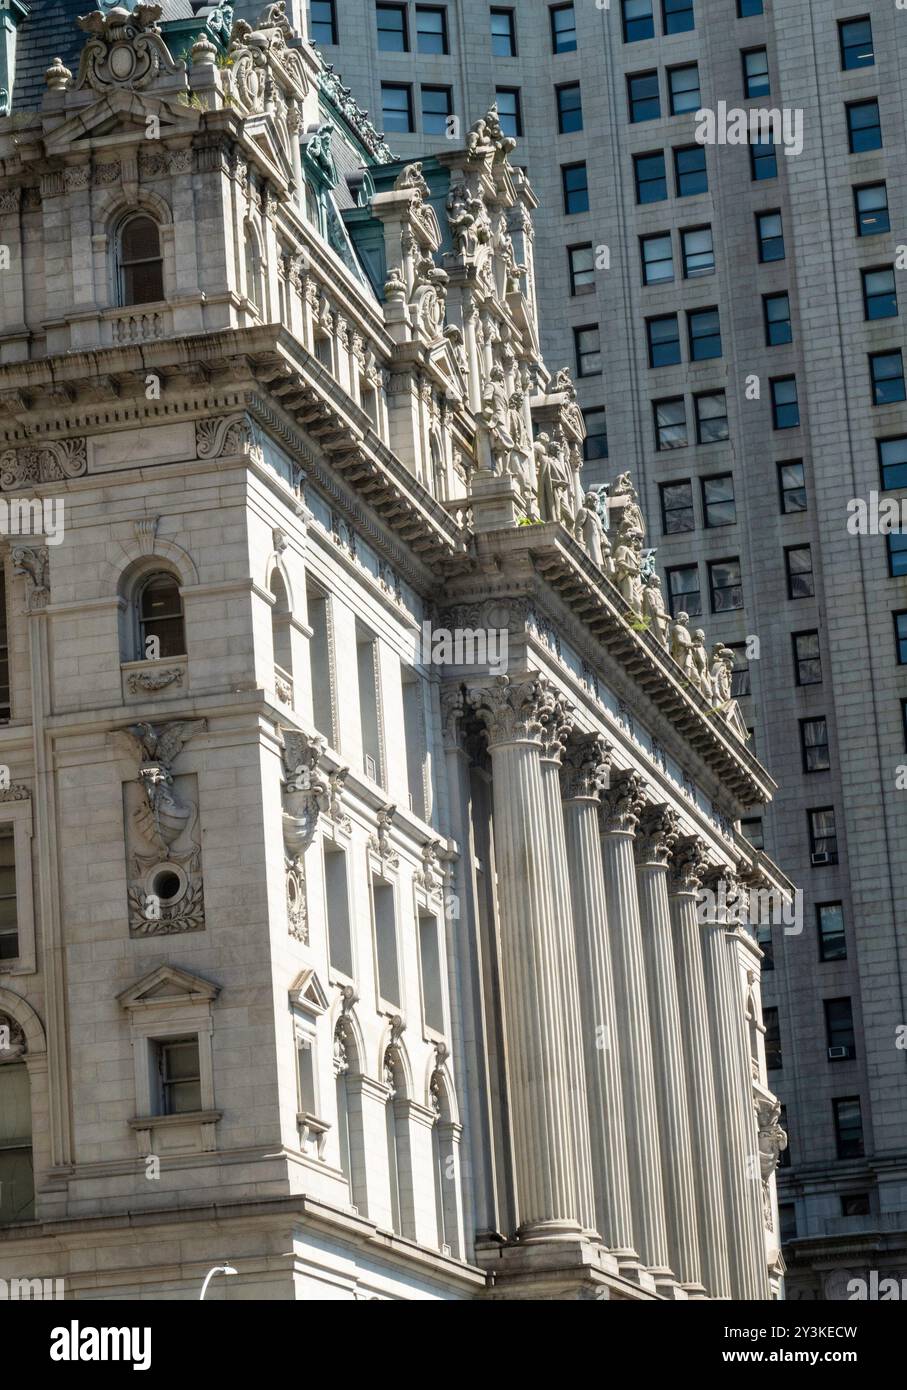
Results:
[514, 710]
[689, 865]
[557, 726]
[454, 707]
[586, 769]
[656, 835]
[622, 803]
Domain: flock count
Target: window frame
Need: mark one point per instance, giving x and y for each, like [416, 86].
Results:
[332, 21]
[805, 746]
[748, 93]
[588, 286]
[783, 491]
[834, 854]
[666, 511]
[555, 32]
[768, 322]
[634, 102]
[707, 395]
[825, 957]
[764, 242]
[678, 150]
[706, 504]
[566, 194]
[684, 232]
[510, 14]
[579, 355]
[670, 571]
[798, 659]
[877, 382]
[559, 90]
[845, 48]
[859, 214]
[123, 267]
[640, 184]
[858, 1146]
[714, 588]
[401, 10]
[854, 144]
[792, 575]
[669, 400]
[407, 89]
[444, 51]
[645, 262]
[670, 73]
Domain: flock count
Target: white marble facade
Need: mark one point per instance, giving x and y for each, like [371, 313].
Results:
[369, 962]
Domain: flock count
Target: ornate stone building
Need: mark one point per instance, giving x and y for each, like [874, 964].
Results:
[371, 866]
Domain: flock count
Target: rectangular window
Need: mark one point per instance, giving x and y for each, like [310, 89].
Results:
[430, 961]
[638, 20]
[670, 423]
[690, 175]
[677, 16]
[396, 108]
[369, 706]
[320, 663]
[5, 707]
[823, 839]
[800, 578]
[772, 1021]
[179, 1076]
[839, 1030]
[9, 924]
[893, 461]
[414, 736]
[582, 269]
[856, 43]
[587, 346]
[510, 110]
[642, 96]
[897, 553]
[785, 404]
[698, 252]
[807, 658]
[848, 1127]
[431, 29]
[752, 830]
[880, 297]
[745, 8]
[900, 636]
[864, 126]
[814, 744]
[575, 184]
[763, 160]
[855, 1204]
[306, 1088]
[886, 372]
[503, 34]
[704, 332]
[792, 486]
[755, 73]
[657, 259]
[684, 594]
[595, 445]
[787, 1211]
[569, 108]
[770, 233]
[563, 29]
[711, 417]
[437, 107]
[677, 507]
[322, 22]
[718, 505]
[766, 946]
[393, 35]
[776, 308]
[830, 926]
[651, 179]
[17, 1186]
[740, 675]
[663, 335]
[871, 208]
[725, 585]
[337, 904]
[683, 85]
[385, 924]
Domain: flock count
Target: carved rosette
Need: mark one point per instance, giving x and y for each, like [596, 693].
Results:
[689, 865]
[622, 804]
[513, 711]
[586, 769]
[656, 836]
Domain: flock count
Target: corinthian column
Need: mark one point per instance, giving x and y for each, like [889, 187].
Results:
[583, 775]
[557, 726]
[688, 866]
[734, 1097]
[539, 1082]
[620, 808]
[656, 837]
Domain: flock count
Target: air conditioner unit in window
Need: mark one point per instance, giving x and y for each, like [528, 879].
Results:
[836, 1053]
[370, 769]
[820, 856]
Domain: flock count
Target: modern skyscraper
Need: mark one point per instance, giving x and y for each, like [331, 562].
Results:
[732, 306]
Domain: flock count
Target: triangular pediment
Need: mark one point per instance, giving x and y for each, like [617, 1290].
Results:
[125, 114]
[259, 132]
[167, 985]
[307, 993]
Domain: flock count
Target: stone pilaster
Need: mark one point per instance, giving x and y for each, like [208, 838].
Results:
[557, 725]
[733, 1096]
[687, 868]
[655, 838]
[583, 776]
[538, 1069]
[620, 809]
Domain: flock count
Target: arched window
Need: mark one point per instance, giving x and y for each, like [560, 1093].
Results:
[281, 638]
[17, 1179]
[160, 618]
[445, 1166]
[140, 264]
[252, 257]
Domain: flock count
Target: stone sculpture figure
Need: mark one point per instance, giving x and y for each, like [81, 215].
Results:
[653, 607]
[682, 643]
[722, 665]
[627, 564]
[700, 664]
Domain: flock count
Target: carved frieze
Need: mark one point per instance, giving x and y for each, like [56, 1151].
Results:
[47, 463]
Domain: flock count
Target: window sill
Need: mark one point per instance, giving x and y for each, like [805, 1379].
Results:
[191, 1117]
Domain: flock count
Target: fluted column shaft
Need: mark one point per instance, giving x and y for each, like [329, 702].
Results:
[538, 1066]
[655, 838]
[583, 774]
[688, 865]
[621, 805]
[733, 1095]
[565, 955]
